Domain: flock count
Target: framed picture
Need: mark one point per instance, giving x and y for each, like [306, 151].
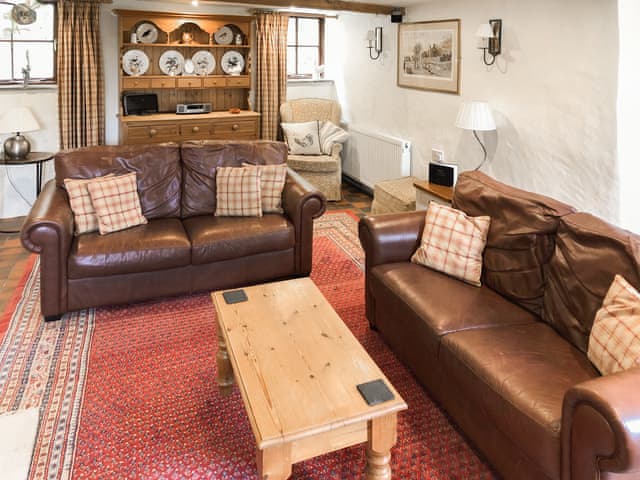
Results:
[429, 54]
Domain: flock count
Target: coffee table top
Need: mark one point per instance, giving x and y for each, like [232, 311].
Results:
[297, 364]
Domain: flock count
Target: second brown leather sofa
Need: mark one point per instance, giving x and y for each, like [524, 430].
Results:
[508, 360]
[184, 248]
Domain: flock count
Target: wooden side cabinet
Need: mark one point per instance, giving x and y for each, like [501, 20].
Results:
[430, 192]
[168, 127]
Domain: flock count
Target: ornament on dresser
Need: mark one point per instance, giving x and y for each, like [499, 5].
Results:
[171, 63]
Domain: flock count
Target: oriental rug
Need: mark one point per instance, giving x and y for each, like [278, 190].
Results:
[130, 391]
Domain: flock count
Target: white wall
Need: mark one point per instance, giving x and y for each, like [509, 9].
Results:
[44, 106]
[628, 108]
[552, 91]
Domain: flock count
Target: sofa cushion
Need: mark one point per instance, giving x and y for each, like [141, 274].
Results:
[452, 243]
[517, 377]
[201, 158]
[84, 213]
[158, 245]
[614, 341]
[158, 169]
[521, 236]
[272, 180]
[224, 238]
[238, 192]
[589, 253]
[445, 304]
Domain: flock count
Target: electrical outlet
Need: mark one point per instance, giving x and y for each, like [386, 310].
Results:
[437, 155]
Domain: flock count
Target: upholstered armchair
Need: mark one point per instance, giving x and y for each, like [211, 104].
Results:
[324, 172]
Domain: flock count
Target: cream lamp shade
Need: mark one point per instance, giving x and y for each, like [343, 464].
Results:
[485, 30]
[18, 119]
[475, 116]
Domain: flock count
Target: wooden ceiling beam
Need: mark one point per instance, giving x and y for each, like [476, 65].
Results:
[333, 5]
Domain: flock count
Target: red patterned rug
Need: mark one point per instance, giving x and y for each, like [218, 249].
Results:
[130, 392]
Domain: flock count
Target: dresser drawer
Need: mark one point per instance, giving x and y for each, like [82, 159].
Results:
[238, 81]
[151, 133]
[195, 130]
[163, 82]
[135, 82]
[241, 128]
[190, 82]
[214, 82]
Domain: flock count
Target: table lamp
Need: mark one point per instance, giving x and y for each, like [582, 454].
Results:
[476, 116]
[18, 120]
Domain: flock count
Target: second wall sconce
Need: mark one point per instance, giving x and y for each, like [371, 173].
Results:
[374, 37]
[491, 34]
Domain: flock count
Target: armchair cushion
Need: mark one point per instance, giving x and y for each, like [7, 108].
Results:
[331, 134]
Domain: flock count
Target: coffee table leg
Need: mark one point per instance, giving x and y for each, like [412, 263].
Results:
[225, 371]
[382, 436]
[274, 463]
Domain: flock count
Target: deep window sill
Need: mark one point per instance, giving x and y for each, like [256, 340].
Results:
[30, 88]
[309, 81]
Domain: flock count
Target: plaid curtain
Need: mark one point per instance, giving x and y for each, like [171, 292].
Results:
[80, 76]
[271, 76]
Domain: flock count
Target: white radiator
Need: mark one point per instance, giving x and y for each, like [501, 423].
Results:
[370, 157]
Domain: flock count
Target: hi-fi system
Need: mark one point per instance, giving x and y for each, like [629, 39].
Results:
[185, 108]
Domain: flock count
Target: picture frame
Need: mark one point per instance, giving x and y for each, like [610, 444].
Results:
[429, 55]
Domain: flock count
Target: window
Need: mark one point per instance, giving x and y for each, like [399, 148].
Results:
[28, 48]
[305, 50]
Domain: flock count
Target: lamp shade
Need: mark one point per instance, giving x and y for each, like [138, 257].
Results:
[475, 116]
[18, 119]
[485, 30]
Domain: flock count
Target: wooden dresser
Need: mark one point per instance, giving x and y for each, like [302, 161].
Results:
[189, 34]
[169, 127]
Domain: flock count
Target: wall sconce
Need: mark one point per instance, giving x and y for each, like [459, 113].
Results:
[374, 37]
[491, 34]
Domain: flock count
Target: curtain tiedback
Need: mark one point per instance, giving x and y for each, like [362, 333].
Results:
[271, 75]
[80, 74]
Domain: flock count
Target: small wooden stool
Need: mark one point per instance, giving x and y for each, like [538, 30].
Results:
[397, 195]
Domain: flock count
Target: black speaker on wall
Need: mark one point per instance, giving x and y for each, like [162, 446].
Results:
[396, 16]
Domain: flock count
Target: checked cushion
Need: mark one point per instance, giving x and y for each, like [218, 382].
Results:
[238, 192]
[453, 242]
[116, 202]
[614, 342]
[84, 215]
[272, 180]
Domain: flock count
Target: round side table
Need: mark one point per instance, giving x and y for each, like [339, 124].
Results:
[34, 158]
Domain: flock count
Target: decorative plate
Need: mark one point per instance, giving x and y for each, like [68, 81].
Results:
[224, 35]
[171, 62]
[189, 67]
[204, 62]
[135, 62]
[147, 33]
[232, 62]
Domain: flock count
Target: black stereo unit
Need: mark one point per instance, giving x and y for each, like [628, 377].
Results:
[443, 174]
[139, 103]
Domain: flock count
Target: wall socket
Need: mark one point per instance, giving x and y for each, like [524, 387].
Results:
[437, 155]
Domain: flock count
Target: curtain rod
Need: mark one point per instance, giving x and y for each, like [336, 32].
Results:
[289, 13]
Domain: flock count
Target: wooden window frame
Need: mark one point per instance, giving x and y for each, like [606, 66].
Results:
[35, 81]
[320, 46]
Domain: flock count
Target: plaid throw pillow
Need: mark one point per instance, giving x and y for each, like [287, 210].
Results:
[614, 342]
[453, 243]
[272, 180]
[117, 203]
[84, 215]
[238, 192]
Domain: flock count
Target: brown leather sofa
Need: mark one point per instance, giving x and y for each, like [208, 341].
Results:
[507, 360]
[184, 248]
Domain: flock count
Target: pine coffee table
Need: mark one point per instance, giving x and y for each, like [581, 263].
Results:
[297, 366]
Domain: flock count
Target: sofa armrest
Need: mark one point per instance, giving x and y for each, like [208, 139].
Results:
[601, 427]
[391, 237]
[302, 203]
[48, 230]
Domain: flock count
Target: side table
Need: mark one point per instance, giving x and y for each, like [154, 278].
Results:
[34, 158]
[426, 192]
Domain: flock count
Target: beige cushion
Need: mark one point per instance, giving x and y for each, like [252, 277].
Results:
[303, 138]
[116, 202]
[272, 180]
[238, 192]
[84, 215]
[330, 133]
[453, 242]
[614, 342]
[319, 163]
